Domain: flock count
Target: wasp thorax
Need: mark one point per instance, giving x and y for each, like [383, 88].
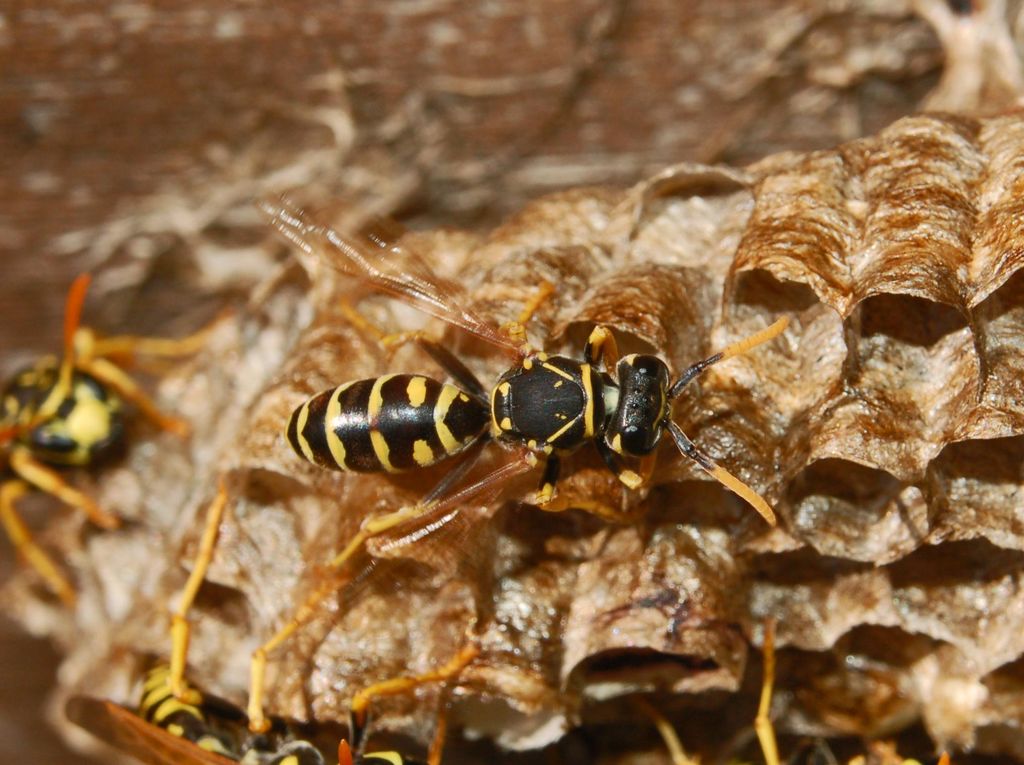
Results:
[636, 425]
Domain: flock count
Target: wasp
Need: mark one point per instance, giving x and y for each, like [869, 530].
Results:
[544, 406]
[167, 690]
[68, 412]
[164, 730]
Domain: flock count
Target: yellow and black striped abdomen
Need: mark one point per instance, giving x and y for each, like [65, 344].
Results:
[159, 707]
[389, 423]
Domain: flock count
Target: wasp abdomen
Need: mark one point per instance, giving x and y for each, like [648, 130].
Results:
[187, 721]
[389, 423]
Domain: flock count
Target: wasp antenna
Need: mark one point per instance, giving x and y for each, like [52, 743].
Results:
[9, 433]
[72, 319]
[736, 349]
[73, 311]
[344, 753]
[720, 474]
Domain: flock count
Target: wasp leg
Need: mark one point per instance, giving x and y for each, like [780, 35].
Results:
[437, 500]
[444, 358]
[48, 480]
[601, 348]
[400, 685]
[548, 481]
[667, 733]
[729, 352]
[180, 629]
[630, 478]
[720, 474]
[561, 502]
[440, 733]
[763, 723]
[88, 346]
[110, 373]
[17, 531]
[516, 330]
[544, 291]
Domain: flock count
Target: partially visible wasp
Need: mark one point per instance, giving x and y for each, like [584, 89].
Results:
[543, 405]
[67, 413]
[170, 702]
[167, 731]
[881, 754]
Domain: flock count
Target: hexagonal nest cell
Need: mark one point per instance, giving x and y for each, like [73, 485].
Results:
[885, 426]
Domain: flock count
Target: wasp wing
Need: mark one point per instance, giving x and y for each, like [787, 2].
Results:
[450, 538]
[376, 257]
[133, 735]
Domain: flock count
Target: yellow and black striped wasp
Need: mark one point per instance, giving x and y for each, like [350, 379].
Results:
[207, 731]
[542, 405]
[171, 703]
[67, 413]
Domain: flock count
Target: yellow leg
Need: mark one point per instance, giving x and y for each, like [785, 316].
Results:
[131, 346]
[10, 492]
[602, 348]
[389, 341]
[48, 480]
[516, 330]
[258, 666]
[441, 498]
[544, 291]
[561, 503]
[360, 322]
[180, 630]
[437, 743]
[667, 732]
[110, 373]
[400, 685]
[763, 722]
[396, 340]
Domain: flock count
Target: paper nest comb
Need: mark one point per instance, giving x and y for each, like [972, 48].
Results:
[886, 426]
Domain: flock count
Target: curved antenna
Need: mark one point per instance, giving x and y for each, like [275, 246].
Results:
[736, 349]
[73, 310]
[10, 433]
[72, 320]
[720, 474]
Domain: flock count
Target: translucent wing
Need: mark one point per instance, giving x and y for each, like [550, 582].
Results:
[133, 735]
[449, 538]
[375, 257]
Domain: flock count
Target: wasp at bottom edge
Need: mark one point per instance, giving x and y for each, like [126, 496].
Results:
[166, 731]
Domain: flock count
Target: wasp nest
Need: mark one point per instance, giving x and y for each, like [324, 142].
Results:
[885, 426]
